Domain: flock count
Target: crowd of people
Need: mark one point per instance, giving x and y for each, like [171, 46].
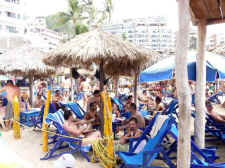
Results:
[151, 98]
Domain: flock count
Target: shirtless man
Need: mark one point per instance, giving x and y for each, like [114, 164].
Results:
[217, 117]
[84, 88]
[134, 114]
[96, 98]
[11, 92]
[78, 131]
[39, 101]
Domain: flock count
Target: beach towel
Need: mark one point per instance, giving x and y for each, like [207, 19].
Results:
[158, 124]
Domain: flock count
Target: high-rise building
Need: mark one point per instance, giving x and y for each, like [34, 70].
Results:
[215, 40]
[41, 36]
[151, 32]
[12, 23]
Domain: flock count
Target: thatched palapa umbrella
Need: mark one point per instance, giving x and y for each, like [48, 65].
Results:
[26, 61]
[99, 47]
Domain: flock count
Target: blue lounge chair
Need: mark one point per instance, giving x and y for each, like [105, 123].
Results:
[215, 129]
[73, 144]
[171, 108]
[37, 122]
[214, 98]
[209, 154]
[196, 162]
[76, 109]
[134, 142]
[118, 103]
[151, 149]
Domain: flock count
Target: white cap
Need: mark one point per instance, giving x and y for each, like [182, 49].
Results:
[65, 161]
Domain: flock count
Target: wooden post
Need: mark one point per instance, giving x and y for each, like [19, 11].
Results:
[101, 71]
[200, 87]
[135, 87]
[31, 90]
[71, 82]
[115, 85]
[183, 90]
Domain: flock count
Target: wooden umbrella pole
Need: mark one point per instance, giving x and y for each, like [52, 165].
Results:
[101, 71]
[71, 82]
[135, 87]
[200, 87]
[115, 85]
[31, 90]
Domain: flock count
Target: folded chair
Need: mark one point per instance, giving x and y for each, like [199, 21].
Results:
[152, 148]
[74, 144]
[209, 153]
[76, 109]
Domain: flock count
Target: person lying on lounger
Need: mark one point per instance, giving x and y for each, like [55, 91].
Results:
[76, 130]
[217, 117]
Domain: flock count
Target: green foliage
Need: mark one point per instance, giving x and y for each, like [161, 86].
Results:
[124, 36]
[80, 14]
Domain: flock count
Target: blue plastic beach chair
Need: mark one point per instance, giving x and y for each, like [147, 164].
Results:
[76, 109]
[209, 153]
[37, 121]
[151, 150]
[72, 143]
[196, 162]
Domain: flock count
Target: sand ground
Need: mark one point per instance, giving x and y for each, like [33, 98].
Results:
[28, 149]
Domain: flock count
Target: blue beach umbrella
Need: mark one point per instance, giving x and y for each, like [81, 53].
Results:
[163, 70]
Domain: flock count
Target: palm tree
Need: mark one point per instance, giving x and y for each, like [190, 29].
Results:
[72, 21]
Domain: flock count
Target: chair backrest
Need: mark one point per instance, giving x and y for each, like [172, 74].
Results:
[57, 117]
[118, 103]
[171, 108]
[153, 142]
[77, 109]
[148, 128]
[58, 120]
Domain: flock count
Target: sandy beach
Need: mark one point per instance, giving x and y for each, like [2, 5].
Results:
[27, 151]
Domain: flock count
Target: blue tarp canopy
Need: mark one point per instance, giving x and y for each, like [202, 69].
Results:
[163, 70]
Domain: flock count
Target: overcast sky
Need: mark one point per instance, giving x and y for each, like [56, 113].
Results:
[122, 9]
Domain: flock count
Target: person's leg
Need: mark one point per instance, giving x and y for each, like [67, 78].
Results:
[7, 116]
[93, 136]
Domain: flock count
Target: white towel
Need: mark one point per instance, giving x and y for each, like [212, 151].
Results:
[157, 125]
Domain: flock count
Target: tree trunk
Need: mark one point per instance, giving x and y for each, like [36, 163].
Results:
[183, 90]
[200, 87]
[31, 90]
[135, 87]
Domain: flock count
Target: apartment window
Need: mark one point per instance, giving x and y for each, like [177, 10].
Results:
[11, 14]
[11, 29]
[13, 1]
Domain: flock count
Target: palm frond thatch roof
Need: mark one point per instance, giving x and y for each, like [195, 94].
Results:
[97, 46]
[25, 61]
